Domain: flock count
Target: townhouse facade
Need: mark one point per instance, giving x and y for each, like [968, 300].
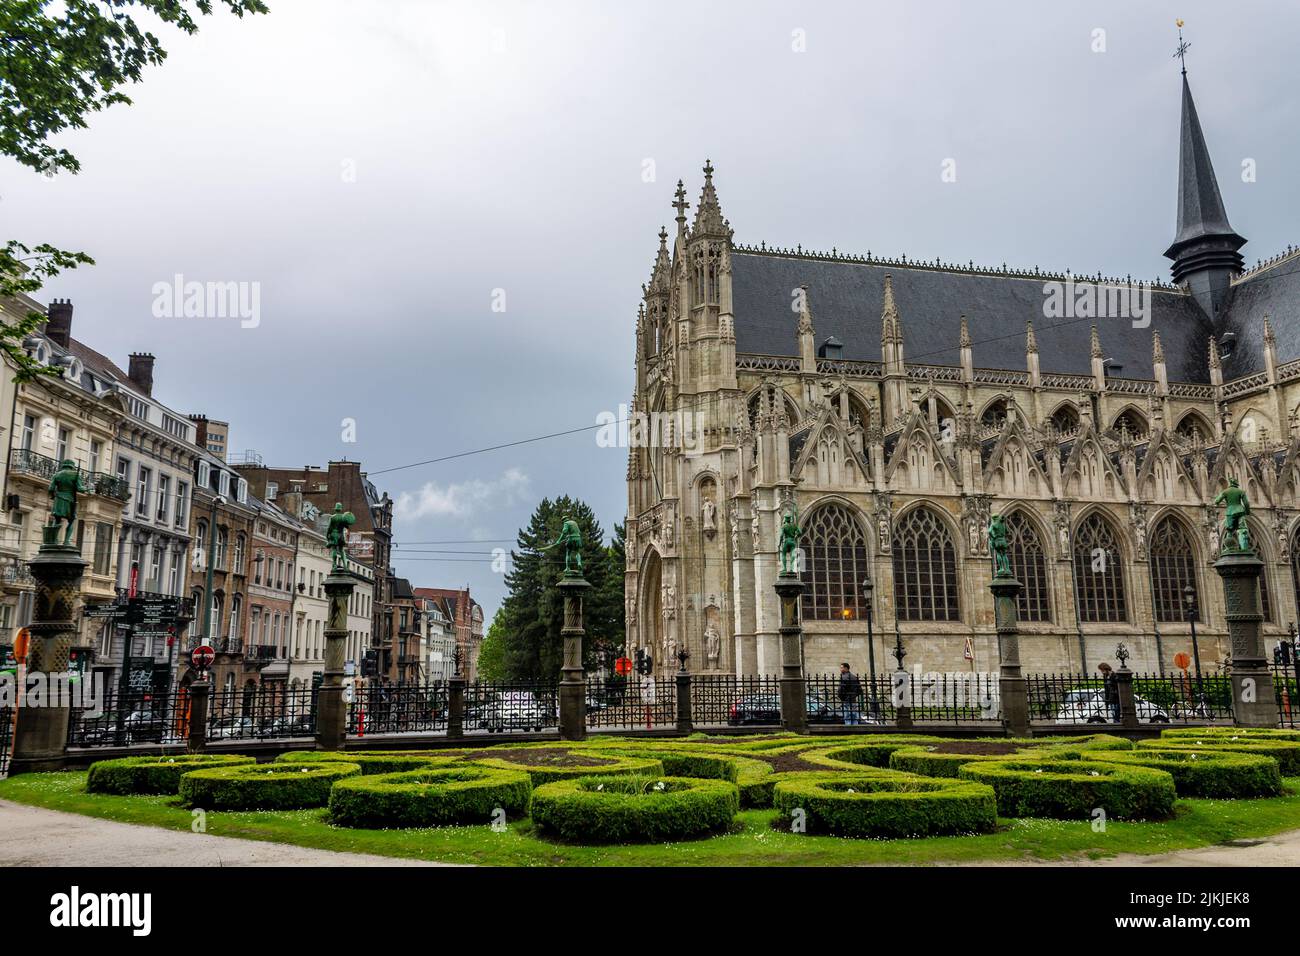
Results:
[467, 622]
[439, 640]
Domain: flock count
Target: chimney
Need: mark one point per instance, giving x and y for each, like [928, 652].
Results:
[140, 371]
[58, 325]
[200, 430]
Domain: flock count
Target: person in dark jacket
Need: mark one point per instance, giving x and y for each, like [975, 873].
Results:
[850, 695]
[1109, 690]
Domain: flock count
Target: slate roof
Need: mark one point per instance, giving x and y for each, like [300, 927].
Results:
[1273, 291]
[845, 298]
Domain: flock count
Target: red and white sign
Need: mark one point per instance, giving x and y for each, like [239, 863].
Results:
[203, 656]
[969, 652]
[623, 666]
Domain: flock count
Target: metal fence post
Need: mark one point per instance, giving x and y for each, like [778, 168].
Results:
[200, 695]
[456, 706]
[684, 724]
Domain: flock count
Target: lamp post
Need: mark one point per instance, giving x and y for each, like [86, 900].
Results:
[1189, 599]
[868, 592]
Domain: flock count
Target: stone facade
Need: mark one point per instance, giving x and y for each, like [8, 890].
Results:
[1107, 451]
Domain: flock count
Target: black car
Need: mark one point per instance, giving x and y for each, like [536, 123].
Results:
[766, 709]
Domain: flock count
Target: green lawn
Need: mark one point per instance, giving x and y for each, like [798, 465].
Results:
[751, 842]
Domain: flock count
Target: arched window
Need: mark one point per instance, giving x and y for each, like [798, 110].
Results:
[1099, 572]
[1132, 423]
[236, 605]
[1193, 429]
[1173, 567]
[223, 538]
[1066, 419]
[834, 564]
[925, 568]
[995, 414]
[1029, 564]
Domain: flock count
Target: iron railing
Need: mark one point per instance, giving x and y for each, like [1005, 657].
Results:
[1065, 698]
[399, 709]
[948, 697]
[504, 706]
[827, 704]
[632, 702]
[6, 737]
[722, 700]
[1182, 698]
[1286, 690]
[268, 711]
[131, 717]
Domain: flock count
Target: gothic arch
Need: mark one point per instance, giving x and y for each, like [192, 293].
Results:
[994, 412]
[1263, 544]
[1174, 554]
[1135, 418]
[792, 412]
[836, 559]
[1028, 542]
[924, 554]
[1191, 424]
[649, 602]
[1065, 417]
[1100, 555]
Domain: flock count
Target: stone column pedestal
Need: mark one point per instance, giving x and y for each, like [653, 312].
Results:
[456, 706]
[41, 733]
[573, 679]
[331, 708]
[200, 698]
[1012, 690]
[1128, 717]
[794, 697]
[1253, 700]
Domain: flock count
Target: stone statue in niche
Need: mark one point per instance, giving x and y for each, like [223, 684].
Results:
[712, 645]
[709, 517]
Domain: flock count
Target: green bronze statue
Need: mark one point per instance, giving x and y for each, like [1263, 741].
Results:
[789, 544]
[66, 483]
[571, 538]
[998, 545]
[1234, 519]
[336, 536]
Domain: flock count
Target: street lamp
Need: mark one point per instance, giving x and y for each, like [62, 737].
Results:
[1189, 599]
[868, 591]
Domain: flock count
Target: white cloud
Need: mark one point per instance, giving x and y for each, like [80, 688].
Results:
[461, 499]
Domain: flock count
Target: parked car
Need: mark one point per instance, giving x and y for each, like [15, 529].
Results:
[233, 728]
[1087, 705]
[766, 709]
[516, 710]
[143, 726]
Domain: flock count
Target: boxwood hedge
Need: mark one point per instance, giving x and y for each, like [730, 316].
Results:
[634, 808]
[370, 762]
[610, 764]
[859, 755]
[277, 786]
[933, 763]
[884, 804]
[429, 797]
[1285, 752]
[1074, 789]
[687, 764]
[145, 775]
[1206, 773]
[1233, 733]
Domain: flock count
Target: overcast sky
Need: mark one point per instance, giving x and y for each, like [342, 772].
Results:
[381, 168]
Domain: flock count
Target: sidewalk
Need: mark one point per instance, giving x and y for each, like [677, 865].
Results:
[37, 837]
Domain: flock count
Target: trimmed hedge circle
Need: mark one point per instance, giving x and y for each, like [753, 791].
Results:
[151, 775]
[277, 786]
[634, 808]
[884, 805]
[684, 764]
[859, 756]
[1206, 773]
[372, 762]
[1233, 733]
[932, 763]
[1285, 752]
[549, 773]
[429, 797]
[1073, 789]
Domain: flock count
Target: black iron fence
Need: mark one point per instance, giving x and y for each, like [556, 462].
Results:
[1182, 698]
[1286, 689]
[6, 737]
[724, 700]
[119, 719]
[399, 709]
[1070, 699]
[503, 706]
[266, 711]
[631, 702]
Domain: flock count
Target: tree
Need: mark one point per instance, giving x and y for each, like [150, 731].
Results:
[58, 64]
[492, 652]
[532, 614]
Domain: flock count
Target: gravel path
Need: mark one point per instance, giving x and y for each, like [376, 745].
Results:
[37, 837]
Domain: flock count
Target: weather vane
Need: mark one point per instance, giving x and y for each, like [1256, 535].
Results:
[1182, 46]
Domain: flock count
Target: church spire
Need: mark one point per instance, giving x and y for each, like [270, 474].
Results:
[1204, 250]
[708, 213]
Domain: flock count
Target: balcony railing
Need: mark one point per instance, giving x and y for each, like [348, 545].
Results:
[24, 461]
[16, 574]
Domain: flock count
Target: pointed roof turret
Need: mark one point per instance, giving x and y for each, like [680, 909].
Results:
[890, 330]
[708, 213]
[681, 205]
[1204, 250]
[964, 333]
[661, 274]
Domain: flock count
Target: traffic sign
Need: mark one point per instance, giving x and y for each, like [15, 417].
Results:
[969, 652]
[1182, 660]
[623, 666]
[22, 641]
[203, 656]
